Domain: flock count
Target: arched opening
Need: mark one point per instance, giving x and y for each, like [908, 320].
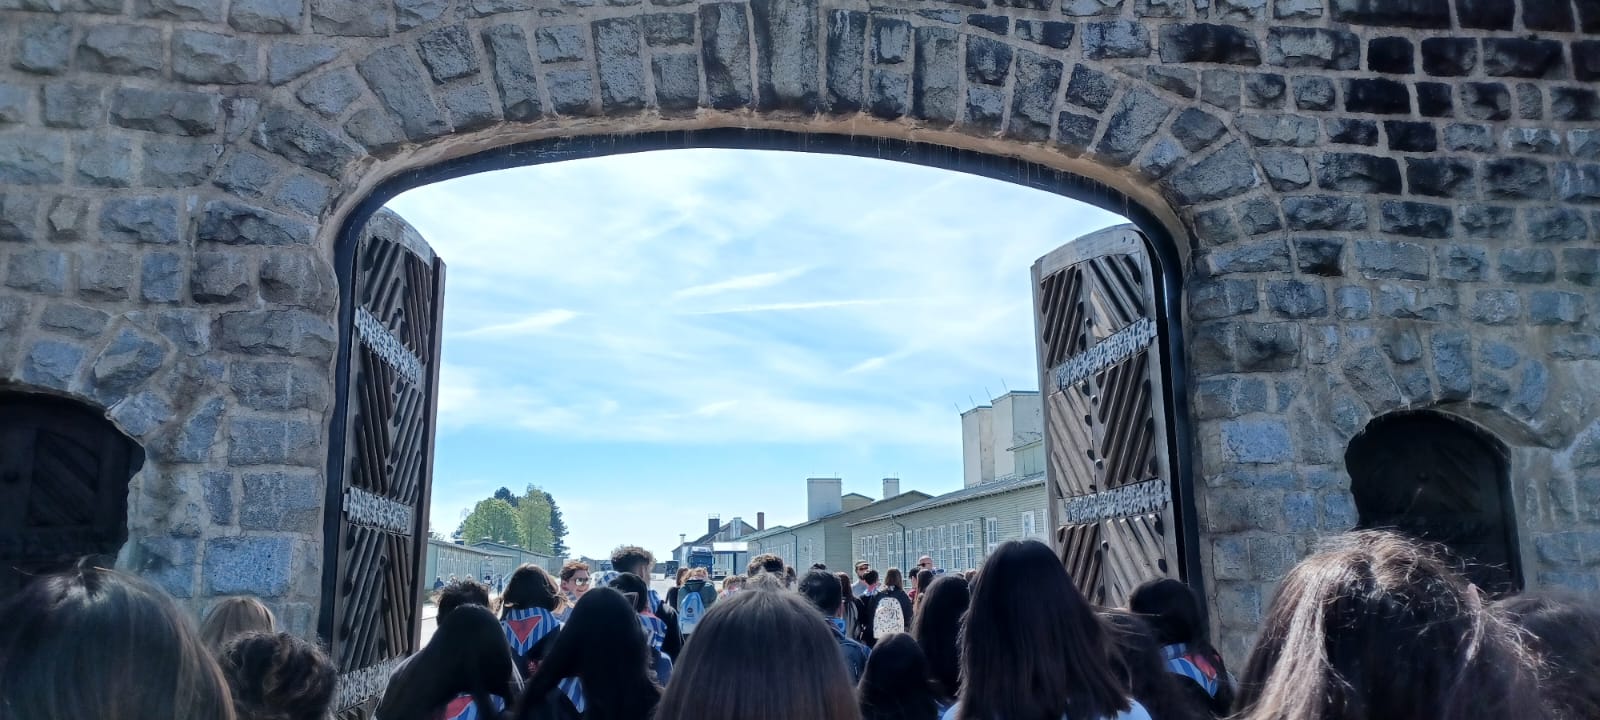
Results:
[1437, 478]
[64, 473]
[383, 351]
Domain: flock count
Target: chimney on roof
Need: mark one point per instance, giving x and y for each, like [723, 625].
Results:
[713, 524]
[891, 487]
[761, 521]
[736, 528]
[824, 497]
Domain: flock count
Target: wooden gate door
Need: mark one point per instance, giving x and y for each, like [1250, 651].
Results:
[64, 472]
[1114, 495]
[381, 465]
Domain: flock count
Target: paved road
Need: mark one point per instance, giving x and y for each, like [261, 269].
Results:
[661, 585]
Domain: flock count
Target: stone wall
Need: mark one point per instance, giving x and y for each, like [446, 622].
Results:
[1383, 204]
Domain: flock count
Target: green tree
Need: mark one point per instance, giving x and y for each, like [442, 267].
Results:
[558, 528]
[505, 494]
[493, 519]
[534, 512]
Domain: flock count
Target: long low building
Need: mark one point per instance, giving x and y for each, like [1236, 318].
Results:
[1003, 495]
[446, 558]
[825, 535]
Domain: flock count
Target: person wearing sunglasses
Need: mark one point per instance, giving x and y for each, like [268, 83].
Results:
[574, 583]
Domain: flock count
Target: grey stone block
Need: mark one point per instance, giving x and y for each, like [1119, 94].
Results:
[260, 566]
[179, 164]
[304, 142]
[265, 440]
[397, 81]
[1115, 39]
[1356, 172]
[144, 220]
[448, 53]
[168, 562]
[76, 320]
[1556, 225]
[167, 112]
[1196, 129]
[330, 93]
[1314, 92]
[1406, 302]
[267, 16]
[1300, 47]
[71, 105]
[410, 14]
[1228, 397]
[560, 43]
[140, 414]
[19, 217]
[1324, 212]
[787, 39]
[1452, 363]
[1220, 88]
[38, 270]
[1576, 347]
[666, 29]
[30, 158]
[1379, 259]
[1214, 299]
[281, 501]
[218, 492]
[203, 57]
[105, 275]
[1462, 263]
[515, 74]
[1246, 347]
[305, 194]
[1285, 170]
[1532, 392]
[1161, 158]
[1551, 307]
[891, 41]
[235, 224]
[246, 174]
[571, 91]
[1402, 345]
[1223, 174]
[1319, 256]
[375, 130]
[53, 363]
[1581, 266]
[936, 75]
[1258, 216]
[288, 61]
[189, 331]
[209, 11]
[350, 18]
[725, 54]
[1297, 299]
[297, 279]
[43, 47]
[196, 437]
[1033, 95]
[1256, 257]
[1136, 120]
[1578, 183]
[15, 103]
[1497, 307]
[677, 81]
[278, 385]
[1527, 265]
[122, 50]
[1499, 356]
[846, 60]
[1373, 380]
[123, 367]
[104, 160]
[1354, 303]
[277, 332]
[160, 277]
[220, 277]
[1278, 130]
[1516, 178]
[469, 106]
[1414, 219]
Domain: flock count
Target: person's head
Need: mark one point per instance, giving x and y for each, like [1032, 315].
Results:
[1171, 609]
[892, 579]
[733, 670]
[1378, 625]
[468, 655]
[277, 676]
[601, 645]
[895, 684]
[632, 559]
[822, 589]
[817, 566]
[862, 567]
[1032, 646]
[924, 579]
[699, 573]
[232, 617]
[1564, 632]
[870, 577]
[96, 643]
[683, 574]
[732, 584]
[924, 563]
[765, 563]
[1140, 666]
[636, 590]
[457, 594]
[575, 579]
[937, 628]
[845, 591]
[531, 586]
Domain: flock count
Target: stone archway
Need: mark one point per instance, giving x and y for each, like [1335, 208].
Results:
[1377, 201]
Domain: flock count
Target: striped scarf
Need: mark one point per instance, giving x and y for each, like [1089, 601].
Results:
[1193, 666]
[463, 708]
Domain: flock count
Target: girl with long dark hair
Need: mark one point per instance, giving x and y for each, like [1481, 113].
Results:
[463, 673]
[1032, 648]
[881, 621]
[924, 578]
[761, 653]
[895, 685]
[598, 668]
[1173, 613]
[1138, 661]
[96, 643]
[938, 632]
[1380, 626]
[528, 616]
[654, 627]
[850, 607]
[1565, 634]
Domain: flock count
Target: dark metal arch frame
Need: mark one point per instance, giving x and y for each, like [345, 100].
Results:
[1162, 247]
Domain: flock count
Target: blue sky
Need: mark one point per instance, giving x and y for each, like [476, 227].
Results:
[658, 336]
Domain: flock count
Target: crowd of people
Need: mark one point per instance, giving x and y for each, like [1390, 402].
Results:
[1374, 625]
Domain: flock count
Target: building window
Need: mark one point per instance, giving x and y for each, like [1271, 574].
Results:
[1027, 524]
[972, 543]
[991, 535]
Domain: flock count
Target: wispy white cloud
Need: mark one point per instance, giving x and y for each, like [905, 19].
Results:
[532, 324]
[787, 306]
[754, 281]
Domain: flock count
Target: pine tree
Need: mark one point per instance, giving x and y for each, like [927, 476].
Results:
[505, 494]
[558, 528]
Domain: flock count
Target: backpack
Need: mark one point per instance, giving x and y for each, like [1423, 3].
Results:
[888, 617]
[691, 608]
